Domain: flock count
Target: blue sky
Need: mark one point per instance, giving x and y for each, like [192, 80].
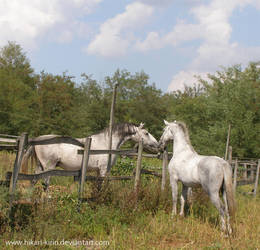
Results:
[170, 40]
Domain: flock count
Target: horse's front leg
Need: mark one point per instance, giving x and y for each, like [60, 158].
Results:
[184, 196]
[174, 185]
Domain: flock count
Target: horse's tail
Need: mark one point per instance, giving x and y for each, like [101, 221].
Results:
[29, 153]
[229, 190]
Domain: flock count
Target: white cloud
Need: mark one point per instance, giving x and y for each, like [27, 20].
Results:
[157, 3]
[116, 34]
[186, 78]
[152, 41]
[26, 21]
[213, 29]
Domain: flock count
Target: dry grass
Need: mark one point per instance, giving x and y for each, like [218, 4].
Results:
[115, 216]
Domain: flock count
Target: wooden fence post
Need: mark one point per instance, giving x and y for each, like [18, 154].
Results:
[244, 172]
[227, 143]
[111, 123]
[18, 160]
[235, 176]
[84, 165]
[230, 155]
[251, 172]
[138, 165]
[257, 177]
[164, 168]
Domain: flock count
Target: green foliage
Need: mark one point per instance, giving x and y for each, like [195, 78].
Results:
[56, 98]
[124, 166]
[45, 103]
[17, 90]
[137, 101]
[232, 97]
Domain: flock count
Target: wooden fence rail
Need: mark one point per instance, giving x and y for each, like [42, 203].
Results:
[20, 143]
[245, 172]
[8, 142]
[23, 142]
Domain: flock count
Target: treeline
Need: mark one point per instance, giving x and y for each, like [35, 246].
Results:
[45, 103]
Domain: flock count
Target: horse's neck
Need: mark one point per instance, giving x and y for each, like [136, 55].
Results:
[118, 140]
[181, 144]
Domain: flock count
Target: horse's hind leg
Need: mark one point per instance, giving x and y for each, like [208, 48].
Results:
[38, 170]
[227, 213]
[214, 197]
[50, 165]
[184, 196]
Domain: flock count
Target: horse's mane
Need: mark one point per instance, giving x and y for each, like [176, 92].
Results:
[185, 130]
[124, 129]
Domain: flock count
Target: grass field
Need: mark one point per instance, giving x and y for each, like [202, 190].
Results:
[117, 216]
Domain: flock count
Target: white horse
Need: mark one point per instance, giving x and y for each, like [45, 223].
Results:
[66, 155]
[192, 169]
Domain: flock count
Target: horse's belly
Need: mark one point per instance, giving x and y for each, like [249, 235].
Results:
[70, 164]
[74, 163]
[190, 183]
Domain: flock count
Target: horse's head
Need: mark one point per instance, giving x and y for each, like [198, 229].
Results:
[149, 142]
[168, 134]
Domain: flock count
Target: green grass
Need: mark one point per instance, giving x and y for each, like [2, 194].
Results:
[125, 220]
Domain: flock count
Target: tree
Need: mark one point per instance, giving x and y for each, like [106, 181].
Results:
[92, 106]
[56, 98]
[137, 101]
[231, 97]
[17, 84]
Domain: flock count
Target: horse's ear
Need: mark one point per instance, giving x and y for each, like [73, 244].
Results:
[166, 123]
[141, 125]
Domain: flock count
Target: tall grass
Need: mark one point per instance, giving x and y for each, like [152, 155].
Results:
[128, 221]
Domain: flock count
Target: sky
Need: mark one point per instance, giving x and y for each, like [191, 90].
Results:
[171, 40]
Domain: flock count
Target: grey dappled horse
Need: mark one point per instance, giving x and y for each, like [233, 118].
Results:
[66, 155]
[192, 169]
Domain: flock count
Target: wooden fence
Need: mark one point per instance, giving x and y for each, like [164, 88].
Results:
[8, 142]
[22, 142]
[244, 172]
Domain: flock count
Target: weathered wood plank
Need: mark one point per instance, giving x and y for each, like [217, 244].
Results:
[11, 136]
[244, 182]
[55, 140]
[8, 140]
[44, 174]
[251, 163]
[227, 143]
[84, 166]
[107, 151]
[138, 165]
[57, 172]
[235, 177]
[257, 178]
[8, 147]
[248, 169]
[109, 178]
[17, 165]
[150, 172]
[111, 123]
